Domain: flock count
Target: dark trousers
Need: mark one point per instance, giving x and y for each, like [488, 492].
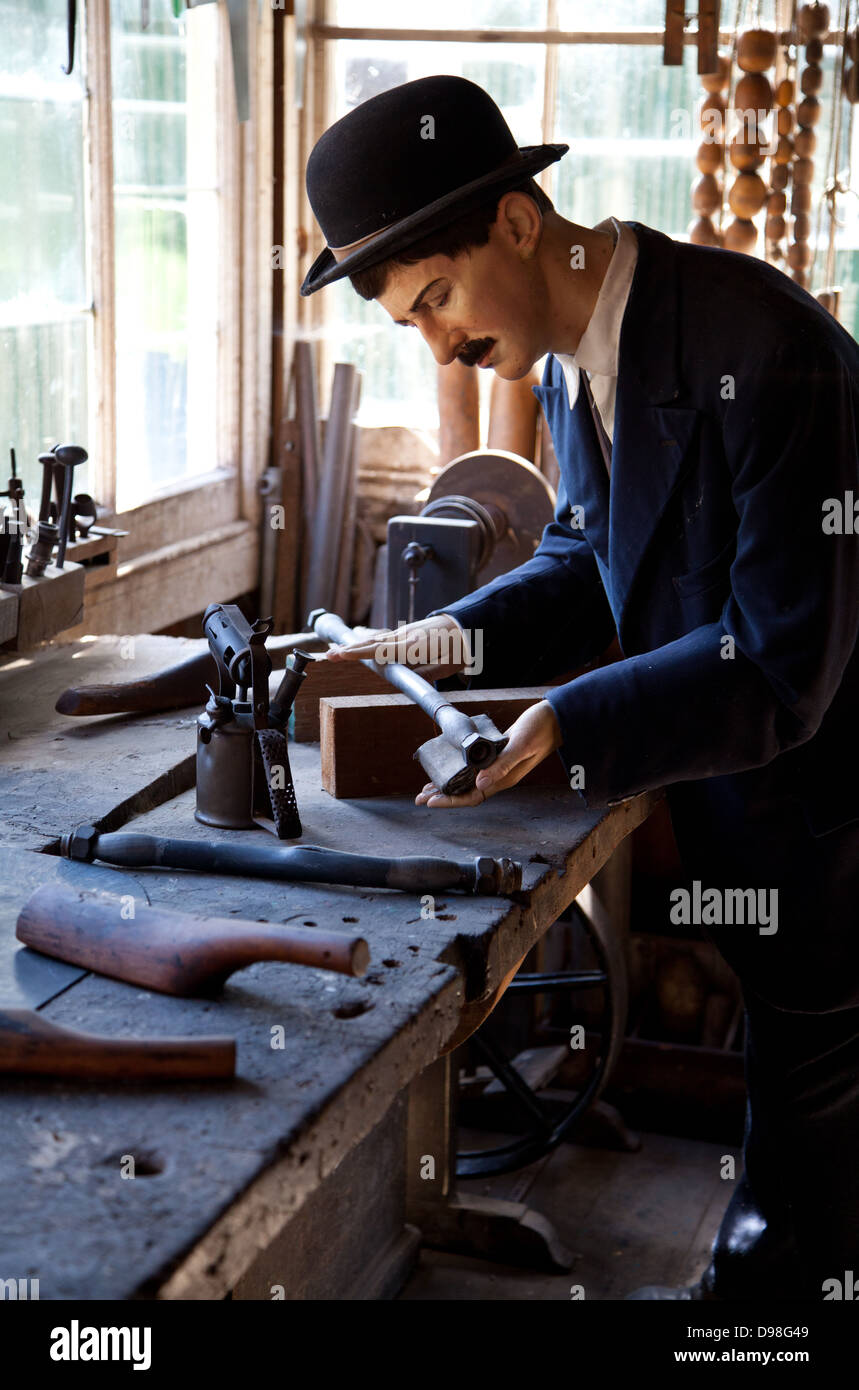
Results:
[793, 1220]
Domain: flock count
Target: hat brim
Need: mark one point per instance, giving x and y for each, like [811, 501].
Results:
[441, 213]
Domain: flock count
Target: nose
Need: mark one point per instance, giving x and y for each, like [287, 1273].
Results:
[442, 343]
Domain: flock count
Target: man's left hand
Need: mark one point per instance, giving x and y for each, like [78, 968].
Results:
[535, 734]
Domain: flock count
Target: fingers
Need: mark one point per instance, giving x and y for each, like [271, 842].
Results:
[430, 796]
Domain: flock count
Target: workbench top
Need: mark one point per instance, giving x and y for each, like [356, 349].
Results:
[220, 1164]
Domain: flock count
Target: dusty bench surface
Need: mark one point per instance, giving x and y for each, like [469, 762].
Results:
[220, 1166]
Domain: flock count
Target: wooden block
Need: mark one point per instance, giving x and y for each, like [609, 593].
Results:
[325, 678]
[368, 742]
[675, 26]
[8, 615]
[90, 547]
[708, 35]
[47, 605]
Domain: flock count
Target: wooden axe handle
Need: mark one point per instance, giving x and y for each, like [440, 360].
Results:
[171, 951]
[31, 1045]
[175, 688]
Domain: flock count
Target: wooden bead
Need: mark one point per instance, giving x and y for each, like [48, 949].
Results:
[756, 50]
[747, 195]
[801, 278]
[800, 200]
[779, 176]
[813, 20]
[811, 80]
[746, 155]
[784, 120]
[785, 92]
[712, 116]
[826, 299]
[753, 93]
[777, 204]
[703, 233]
[740, 235]
[776, 228]
[706, 195]
[851, 43]
[805, 142]
[718, 80]
[799, 255]
[814, 51]
[851, 84]
[709, 157]
[802, 226]
[803, 172]
[808, 111]
[784, 150]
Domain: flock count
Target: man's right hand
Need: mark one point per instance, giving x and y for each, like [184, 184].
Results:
[435, 646]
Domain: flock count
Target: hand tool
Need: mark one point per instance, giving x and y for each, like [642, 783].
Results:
[177, 687]
[172, 951]
[83, 506]
[466, 744]
[296, 864]
[242, 760]
[41, 549]
[67, 456]
[15, 490]
[30, 1045]
[12, 568]
[48, 509]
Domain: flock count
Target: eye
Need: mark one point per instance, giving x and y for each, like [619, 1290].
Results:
[440, 303]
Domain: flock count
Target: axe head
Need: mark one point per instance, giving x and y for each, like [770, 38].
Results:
[454, 768]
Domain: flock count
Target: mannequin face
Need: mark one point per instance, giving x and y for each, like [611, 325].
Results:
[485, 307]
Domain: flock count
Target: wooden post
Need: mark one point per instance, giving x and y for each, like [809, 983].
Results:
[458, 412]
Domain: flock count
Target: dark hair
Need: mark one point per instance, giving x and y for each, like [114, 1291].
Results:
[472, 229]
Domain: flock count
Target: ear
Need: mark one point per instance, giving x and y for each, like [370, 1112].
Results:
[520, 223]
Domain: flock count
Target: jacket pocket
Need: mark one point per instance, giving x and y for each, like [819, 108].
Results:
[697, 580]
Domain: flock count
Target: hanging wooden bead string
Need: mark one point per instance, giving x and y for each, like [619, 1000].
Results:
[837, 178]
[780, 162]
[752, 102]
[707, 191]
[813, 25]
[850, 80]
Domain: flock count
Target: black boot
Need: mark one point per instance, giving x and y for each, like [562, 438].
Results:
[751, 1260]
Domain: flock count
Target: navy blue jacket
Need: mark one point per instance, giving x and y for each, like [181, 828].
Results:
[736, 422]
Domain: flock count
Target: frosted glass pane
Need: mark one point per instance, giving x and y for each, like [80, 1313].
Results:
[44, 294]
[167, 246]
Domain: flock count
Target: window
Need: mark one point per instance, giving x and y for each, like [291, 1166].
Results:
[123, 275]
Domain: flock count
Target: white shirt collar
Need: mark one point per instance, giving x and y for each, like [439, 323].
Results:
[599, 345]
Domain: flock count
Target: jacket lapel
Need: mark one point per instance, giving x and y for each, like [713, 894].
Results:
[652, 435]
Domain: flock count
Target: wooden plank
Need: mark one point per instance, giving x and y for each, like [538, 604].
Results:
[8, 615]
[708, 35]
[47, 605]
[675, 22]
[326, 679]
[367, 742]
[168, 585]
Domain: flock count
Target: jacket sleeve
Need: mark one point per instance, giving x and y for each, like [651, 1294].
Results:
[734, 694]
[542, 618]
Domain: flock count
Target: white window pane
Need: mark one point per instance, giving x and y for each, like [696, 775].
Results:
[44, 293]
[167, 245]
[399, 370]
[442, 14]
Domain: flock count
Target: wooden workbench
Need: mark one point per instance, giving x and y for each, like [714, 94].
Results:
[227, 1172]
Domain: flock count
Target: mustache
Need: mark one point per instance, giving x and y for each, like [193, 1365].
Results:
[471, 352]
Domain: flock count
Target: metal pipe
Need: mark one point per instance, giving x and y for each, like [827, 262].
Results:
[296, 863]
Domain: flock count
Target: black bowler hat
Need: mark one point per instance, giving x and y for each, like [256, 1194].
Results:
[407, 162]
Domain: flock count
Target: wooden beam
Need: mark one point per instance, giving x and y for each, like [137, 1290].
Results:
[675, 31]
[708, 35]
[368, 742]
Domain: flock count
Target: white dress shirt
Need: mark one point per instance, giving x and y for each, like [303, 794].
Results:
[597, 352]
